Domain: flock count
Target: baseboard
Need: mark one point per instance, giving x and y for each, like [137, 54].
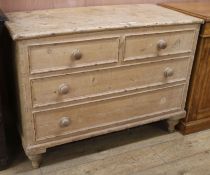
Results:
[194, 126]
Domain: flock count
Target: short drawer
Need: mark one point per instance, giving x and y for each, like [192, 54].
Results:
[153, 45]
[84, 85]
[60, 56]
[85, 118]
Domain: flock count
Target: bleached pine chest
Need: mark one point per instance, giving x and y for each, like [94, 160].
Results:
[88, 71]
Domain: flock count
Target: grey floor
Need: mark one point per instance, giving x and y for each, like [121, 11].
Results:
[145, 150]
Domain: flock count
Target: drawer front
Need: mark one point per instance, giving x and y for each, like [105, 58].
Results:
[106, 81]
[87, 117]
[153, 45]
[60, 56]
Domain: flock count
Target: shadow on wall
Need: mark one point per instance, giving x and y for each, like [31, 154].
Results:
[19, 5]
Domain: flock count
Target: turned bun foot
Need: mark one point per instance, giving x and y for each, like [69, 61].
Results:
[35, 160]
[172, 122]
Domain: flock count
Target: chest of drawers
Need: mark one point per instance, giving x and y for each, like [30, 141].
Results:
[198, 101]
[84, 72]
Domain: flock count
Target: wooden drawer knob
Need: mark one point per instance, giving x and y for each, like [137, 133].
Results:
[162, 44]
[168, 72]
[76, 54]
[63, 89]
[65, 122]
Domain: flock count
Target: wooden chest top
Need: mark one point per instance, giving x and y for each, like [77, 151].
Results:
[197, 9]
[24, 25]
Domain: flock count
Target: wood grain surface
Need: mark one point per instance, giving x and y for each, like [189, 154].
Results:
[200, 10]
[25, 25]
[124, 153]
[18, 5]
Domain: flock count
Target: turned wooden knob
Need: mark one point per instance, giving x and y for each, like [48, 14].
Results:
[162, 44]
[65, 122]
[76, 54]
[168, 72]
[63, 89]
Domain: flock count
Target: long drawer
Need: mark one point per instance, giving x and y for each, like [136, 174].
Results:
[58, 89]
[86, 117]
[153, 45]
[75, 54]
